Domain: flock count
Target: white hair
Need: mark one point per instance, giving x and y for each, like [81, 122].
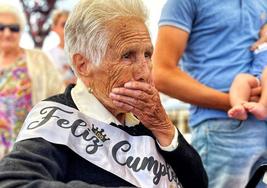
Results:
[17, 13]
[86, 29]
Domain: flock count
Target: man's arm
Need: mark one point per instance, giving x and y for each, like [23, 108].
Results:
[171, 80]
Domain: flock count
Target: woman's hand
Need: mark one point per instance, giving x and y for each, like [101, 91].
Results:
[262, 39]
[142, 99]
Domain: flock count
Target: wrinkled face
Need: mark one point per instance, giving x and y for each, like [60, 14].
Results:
[59, 26]
[9, 38]
[128, 57]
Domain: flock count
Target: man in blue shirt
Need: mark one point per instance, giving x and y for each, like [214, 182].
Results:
[212, 40]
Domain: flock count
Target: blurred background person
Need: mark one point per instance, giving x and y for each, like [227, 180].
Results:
[27, 76]
[57, 52]
[202, 46]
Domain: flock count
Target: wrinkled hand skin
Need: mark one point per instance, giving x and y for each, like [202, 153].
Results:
[142, 99]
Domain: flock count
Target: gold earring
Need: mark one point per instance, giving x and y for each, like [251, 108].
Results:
[90, 90]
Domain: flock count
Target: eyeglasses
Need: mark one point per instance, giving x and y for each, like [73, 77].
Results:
[12, 27]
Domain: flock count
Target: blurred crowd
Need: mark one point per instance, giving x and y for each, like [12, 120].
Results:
[28, 75]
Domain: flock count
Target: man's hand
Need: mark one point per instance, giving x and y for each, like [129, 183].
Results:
[262, 39]
[255, 94]
[142, 99]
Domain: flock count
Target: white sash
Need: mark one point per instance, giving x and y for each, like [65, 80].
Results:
[133, 158]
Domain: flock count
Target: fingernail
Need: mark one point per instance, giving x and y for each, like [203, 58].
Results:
[115, 90]
[112, 95]
[127, 84]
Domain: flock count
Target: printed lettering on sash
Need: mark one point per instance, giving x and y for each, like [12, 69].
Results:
[136, 156]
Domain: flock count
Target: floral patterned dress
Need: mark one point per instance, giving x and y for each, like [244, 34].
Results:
[15, 102]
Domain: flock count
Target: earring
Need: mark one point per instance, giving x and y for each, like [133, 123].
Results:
[90, 90]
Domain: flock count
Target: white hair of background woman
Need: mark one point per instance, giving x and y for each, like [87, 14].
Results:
[86, 31]
[6, 8]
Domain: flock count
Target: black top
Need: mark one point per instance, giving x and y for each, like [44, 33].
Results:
[38, 163]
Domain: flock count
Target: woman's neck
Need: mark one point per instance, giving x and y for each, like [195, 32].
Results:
[9, 56]
[61, 45]
[120, 116]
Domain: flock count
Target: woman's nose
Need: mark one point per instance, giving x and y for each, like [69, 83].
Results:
[6, 31]
[142, 70]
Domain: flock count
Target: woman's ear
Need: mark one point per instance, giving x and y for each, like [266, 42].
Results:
[81, 64]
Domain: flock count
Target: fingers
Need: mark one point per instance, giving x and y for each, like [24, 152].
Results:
[131, 104]
[143, 101]
[127, 102]
[255, 91]
[255, 94]
[254, 99]
[148, 88]
[142, 110]
[139, 98]
[258, 43]
[134, 96]
[137, 94]
[254, 46]
[126, 107]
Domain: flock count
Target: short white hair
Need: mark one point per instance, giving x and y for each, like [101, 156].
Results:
[17, 13]
[86, 30]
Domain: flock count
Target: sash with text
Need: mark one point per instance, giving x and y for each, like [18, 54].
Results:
[135, 158]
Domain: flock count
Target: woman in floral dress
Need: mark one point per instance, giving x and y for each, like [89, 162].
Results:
[26, 77]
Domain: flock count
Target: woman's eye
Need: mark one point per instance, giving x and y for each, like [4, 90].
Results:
[148, 55]
[126, 55]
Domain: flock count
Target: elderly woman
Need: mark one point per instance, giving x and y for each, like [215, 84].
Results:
[27, 76]
[110, 129]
